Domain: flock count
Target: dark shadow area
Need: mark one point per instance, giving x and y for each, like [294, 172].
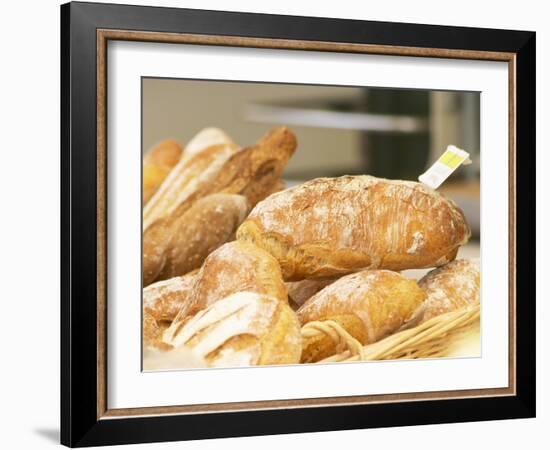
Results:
[50, 434]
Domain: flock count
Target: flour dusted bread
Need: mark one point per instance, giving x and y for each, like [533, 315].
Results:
[176, 245]
[208, 224]
[449, 287]
[163, 300]
[186, 183]
[255, 171]
[244, 329]
[234, 267]
[369, 305]
[157, 163]
[331, 226]
[205, 138]
[152, 333]
[301, 291]
[251, 171]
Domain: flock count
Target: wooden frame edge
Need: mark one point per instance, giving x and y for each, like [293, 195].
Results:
[101, 54]
[289, 44]
[103, 35]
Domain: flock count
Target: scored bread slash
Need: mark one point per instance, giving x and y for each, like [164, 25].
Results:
[442, 169]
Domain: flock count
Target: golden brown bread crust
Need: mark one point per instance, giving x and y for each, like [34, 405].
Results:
[331, 226]
[156, 240]
[369, 305]
[152, 333]
[209, 223]
[206, 138]
[252, 171]
[176, 245]
[163, 300]
[301, 291]
[450, 287]
[255, 171]
[185, 183]
[244, 329]
[157, 163]
[234, 267]
[278, 186]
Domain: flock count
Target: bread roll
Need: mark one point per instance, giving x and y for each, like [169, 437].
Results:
[244, 329]
[163, 300]
[331, 226]
[157, 163]
[448, 288]
[234, 267]
[176, 245]
[369, 305]
[252, 171]
[301, 291]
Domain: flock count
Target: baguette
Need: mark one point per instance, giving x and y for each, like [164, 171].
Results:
[205, 138]
[157, 163]
[176, 245]
[333, 226]
[244, 329]
[182, 186]
[369, 305]
[255, 171]
[252, 171]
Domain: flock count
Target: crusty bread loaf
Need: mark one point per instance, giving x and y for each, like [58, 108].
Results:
[157, 163]
[331, 226]
[244, 329]
[163, 300]
[235, 267]
[252, 171]
[449, 287]
[369, 305]
[176, 245]
[301, 291]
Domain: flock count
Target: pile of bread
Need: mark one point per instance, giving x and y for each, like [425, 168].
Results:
[234, 265]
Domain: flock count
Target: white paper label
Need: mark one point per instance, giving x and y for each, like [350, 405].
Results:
[447, 163]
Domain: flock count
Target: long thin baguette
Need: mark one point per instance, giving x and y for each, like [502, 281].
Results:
[252, 171]
[184, 183]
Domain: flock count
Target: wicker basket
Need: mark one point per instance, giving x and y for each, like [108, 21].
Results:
[435, 338]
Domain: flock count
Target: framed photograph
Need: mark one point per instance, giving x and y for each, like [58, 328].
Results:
[277, 224]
